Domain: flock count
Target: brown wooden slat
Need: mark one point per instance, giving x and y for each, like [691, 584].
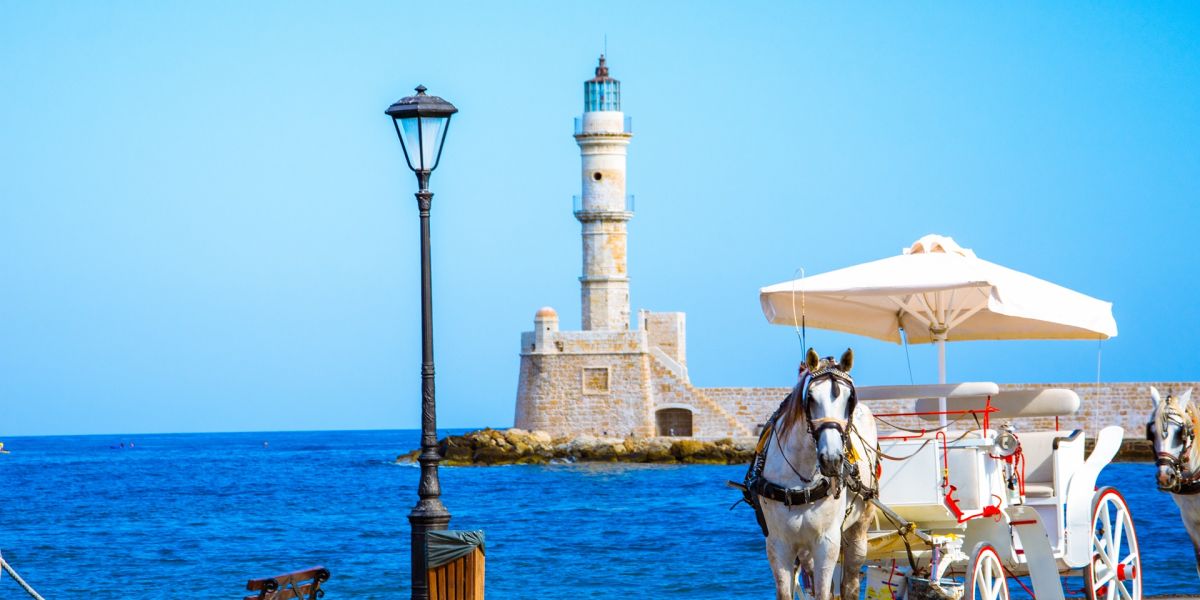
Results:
[468, 576]
[435, 586]
[479, 571]
[461, 579]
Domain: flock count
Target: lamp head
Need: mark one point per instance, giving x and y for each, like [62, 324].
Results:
[421, 123]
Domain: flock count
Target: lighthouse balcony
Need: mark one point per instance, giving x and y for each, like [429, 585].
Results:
[587, 209]
[594, 126]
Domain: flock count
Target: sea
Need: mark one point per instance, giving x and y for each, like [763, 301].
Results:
[197, 515]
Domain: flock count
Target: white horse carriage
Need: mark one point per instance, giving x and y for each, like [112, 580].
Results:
[964, 511]
[968, 502]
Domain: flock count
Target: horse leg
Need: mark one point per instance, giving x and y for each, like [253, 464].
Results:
[854, 551]
[825, 557]
[1189, 510]
[782, 557]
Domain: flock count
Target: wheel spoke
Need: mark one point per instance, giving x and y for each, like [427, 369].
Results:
[1118, 532]
[1102, 579]
[1123, 590]
[1108, 562]
[1106, 520]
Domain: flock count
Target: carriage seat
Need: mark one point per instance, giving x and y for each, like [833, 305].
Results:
[1051, 457]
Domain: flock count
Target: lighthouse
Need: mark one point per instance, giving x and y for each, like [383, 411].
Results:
[603, 209]
[615, 378]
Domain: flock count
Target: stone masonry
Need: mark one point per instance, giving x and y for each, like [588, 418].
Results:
[1125, 404]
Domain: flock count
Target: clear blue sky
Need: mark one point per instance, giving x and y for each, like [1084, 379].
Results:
[206, 223]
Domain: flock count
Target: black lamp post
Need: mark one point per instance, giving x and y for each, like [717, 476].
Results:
[421, 122]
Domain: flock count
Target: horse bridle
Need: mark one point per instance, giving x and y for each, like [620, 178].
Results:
[836, 376]
[1166, 459]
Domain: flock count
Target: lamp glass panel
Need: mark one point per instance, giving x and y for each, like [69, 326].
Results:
[412, 141]
[422, 140]
[433, 129]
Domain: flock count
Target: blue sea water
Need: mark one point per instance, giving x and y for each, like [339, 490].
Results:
[196, 515]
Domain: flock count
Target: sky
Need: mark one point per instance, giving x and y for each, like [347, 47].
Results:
[206, 223]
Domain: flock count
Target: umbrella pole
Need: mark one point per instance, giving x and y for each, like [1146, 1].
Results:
[941, 346]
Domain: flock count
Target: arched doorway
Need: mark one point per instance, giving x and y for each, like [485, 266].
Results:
[674, 422]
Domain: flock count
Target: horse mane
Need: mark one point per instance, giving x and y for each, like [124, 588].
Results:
[1194, 453]
[793, 410]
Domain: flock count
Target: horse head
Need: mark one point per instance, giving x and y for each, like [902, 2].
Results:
[1172, 429]
[827, 398]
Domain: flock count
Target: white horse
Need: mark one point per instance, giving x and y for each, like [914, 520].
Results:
[1172, 428]
[821, 513]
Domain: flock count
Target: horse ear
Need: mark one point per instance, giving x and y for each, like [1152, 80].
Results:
[1185, 398]
[847, 361]
[1154, 396]
[812, 360]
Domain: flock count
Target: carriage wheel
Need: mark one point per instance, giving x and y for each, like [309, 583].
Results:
[986, 580]
[1115, 571]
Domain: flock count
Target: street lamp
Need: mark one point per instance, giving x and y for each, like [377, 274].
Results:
[421, 122]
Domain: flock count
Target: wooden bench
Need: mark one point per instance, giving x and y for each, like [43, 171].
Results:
[302, 585]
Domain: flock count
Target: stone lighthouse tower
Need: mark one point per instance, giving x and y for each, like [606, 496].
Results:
[610, 380]
[602, 209]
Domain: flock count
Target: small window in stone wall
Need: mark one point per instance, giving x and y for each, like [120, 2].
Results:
[595, 380]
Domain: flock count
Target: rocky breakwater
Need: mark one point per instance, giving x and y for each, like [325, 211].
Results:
[520, 447]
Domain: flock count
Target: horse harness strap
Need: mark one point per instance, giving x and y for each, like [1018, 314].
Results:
[793, 496]
[1188, 487]
[1188, 484]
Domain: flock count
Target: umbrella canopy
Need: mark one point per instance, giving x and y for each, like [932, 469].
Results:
[938, 291]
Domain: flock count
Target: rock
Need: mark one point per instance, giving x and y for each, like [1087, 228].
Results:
[648, 451]
[520, 448]
[457, 452]
[493, 455]
[517, 446]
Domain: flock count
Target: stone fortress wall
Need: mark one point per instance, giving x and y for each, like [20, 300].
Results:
[635, 382]
[1126, 404]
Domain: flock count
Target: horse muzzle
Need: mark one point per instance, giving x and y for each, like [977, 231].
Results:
[1167, 477]
[830, 450]
[829, 464]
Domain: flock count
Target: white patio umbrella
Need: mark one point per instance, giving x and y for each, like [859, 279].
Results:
[938, 291]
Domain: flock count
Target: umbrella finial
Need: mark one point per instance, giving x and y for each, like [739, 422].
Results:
[938, 244]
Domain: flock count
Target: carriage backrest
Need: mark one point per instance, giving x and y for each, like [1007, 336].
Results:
[1038, 448]
[1050, 402]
